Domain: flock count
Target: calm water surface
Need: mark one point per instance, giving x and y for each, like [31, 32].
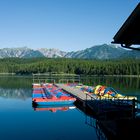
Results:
[20, 121]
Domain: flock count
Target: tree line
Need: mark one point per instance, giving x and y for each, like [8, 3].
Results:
[68, 65]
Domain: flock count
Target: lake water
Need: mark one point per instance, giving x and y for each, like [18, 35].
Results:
[20, 121]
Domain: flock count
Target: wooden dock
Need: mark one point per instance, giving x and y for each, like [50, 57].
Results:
[98, 105]
[80, 95]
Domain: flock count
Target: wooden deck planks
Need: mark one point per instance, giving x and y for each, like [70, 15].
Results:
[74, 91]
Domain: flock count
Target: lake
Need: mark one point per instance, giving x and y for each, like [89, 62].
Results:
[20, 121]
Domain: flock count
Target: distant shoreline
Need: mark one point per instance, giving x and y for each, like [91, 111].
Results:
[7, 73]
[137, 76]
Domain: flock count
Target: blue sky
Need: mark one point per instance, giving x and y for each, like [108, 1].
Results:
[68, 25]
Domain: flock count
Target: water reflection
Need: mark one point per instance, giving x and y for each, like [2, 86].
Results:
[13, 89]
[116, 82]
[15, 82]
[115, 129]
[90, 121]
[108, 126]
[53, 108]
[15, 93]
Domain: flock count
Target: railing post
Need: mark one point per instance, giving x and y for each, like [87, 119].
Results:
[133, 108]
[86, 99]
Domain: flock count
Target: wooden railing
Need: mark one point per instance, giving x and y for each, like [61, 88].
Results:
[99, 104]
[55, 78]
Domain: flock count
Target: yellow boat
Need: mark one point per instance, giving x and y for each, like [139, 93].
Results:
[109, 93]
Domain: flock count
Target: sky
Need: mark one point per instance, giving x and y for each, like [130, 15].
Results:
[68, 25]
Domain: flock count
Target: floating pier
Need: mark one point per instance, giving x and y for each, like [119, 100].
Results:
[102, 105]
[97, 104]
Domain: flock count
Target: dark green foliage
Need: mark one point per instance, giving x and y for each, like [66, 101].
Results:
[65, 65]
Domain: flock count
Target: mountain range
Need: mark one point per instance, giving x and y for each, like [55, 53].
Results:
[103, 51]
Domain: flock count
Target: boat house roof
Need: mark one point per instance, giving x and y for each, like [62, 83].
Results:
[129, 33]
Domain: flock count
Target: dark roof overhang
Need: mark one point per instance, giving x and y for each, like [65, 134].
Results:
[129, 33]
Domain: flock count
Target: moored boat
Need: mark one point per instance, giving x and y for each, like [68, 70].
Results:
[49, 94]
[101, 92]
